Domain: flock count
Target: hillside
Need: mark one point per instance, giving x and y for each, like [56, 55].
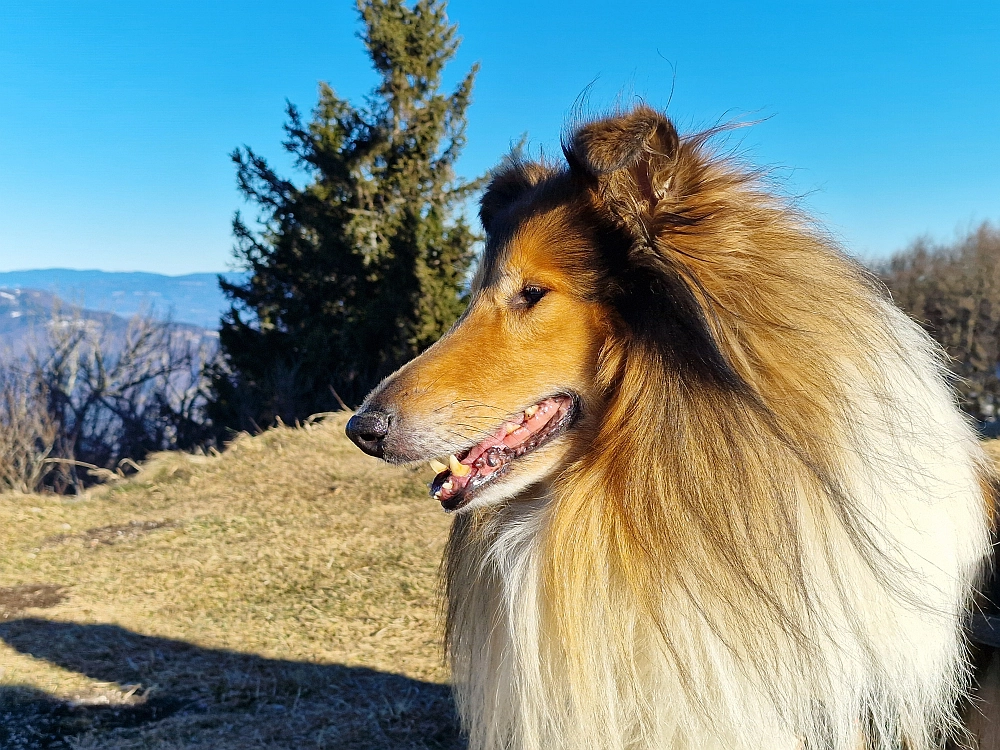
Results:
[193, 298]
[281, 595]
[26, 315]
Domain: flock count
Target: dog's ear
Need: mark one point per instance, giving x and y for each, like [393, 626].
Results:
[509, 182]
[629, 157]
[631, 163]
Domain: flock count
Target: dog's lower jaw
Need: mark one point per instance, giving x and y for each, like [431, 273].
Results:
[526, 483]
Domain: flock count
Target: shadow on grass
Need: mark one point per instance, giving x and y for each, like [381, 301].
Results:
[191, 696]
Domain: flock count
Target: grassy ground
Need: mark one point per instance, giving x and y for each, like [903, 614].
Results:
[282, 595]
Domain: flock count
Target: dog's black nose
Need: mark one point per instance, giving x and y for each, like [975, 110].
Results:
[368, 429]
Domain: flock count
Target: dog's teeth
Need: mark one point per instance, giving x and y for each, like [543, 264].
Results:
[531, 411]
[509, 427]
[438, 467]
[457, 468]
[446, 486]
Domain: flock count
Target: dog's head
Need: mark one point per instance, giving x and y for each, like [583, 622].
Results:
[571, 277]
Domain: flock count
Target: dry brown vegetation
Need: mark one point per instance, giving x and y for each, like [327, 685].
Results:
[87, 397]
[954, 292]
[281, 595]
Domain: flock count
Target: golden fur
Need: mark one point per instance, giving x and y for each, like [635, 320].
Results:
[763, 529]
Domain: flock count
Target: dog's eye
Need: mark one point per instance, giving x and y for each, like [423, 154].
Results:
[529, 297]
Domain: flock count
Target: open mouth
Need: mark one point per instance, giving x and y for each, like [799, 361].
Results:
[467, 472]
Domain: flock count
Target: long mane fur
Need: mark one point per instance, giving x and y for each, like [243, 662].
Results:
[772, 534]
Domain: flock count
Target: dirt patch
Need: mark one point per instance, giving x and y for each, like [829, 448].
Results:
[16, 599]
[111, 534]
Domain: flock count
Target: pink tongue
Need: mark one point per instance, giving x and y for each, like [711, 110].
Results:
[490, 442]
[545, 411]
[529, 426]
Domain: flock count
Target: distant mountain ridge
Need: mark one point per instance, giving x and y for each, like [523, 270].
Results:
[28, 316]
[193, 298]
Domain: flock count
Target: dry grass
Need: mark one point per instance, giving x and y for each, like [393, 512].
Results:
[282, 595]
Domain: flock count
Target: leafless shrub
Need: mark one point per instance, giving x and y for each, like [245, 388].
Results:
[27, 432]
[954, 292]
[93, 398]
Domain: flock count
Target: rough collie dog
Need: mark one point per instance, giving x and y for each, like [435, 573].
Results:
[711, 488]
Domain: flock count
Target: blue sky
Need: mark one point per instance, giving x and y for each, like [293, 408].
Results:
[117, 118]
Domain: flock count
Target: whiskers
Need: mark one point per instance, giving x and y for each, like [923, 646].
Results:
[470, 403]
[470, 420]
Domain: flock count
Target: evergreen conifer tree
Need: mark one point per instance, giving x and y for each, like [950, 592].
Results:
[363, 267]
